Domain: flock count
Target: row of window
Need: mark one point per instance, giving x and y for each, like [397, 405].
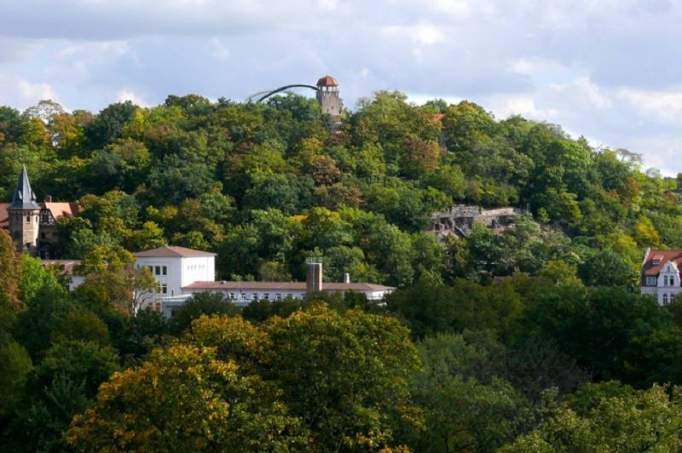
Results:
[668, 298]
[255, 296]
[668, 280]
[157, 270]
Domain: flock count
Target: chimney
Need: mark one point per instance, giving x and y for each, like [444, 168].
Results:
[346, 277]
[313, 281]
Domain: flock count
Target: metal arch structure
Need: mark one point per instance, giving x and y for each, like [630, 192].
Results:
[256, 95]
[284, 88]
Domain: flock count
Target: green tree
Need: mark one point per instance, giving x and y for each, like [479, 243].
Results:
[183, 398]
[345, 376]
[641, 421]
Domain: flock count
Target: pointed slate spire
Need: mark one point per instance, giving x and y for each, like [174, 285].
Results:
[24, 198]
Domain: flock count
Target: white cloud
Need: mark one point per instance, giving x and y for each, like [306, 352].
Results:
[422, 98]
[421, 33]
[93, 50]
[453, 8]
[532, 66]
[504, 106]
[585, 90]
[34, 92]
[21, 93]
[665, 105]
[128, 95]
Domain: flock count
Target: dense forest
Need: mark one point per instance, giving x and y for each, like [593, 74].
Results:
[531, 340]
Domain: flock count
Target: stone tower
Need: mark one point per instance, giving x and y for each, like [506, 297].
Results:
[24, 213]
[328, 96]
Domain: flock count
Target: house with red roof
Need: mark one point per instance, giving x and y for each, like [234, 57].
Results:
[660, 275]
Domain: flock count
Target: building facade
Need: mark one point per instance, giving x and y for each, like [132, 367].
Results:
[33, 225]
[660, 275]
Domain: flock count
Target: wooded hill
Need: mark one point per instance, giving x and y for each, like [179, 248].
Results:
[266, 185]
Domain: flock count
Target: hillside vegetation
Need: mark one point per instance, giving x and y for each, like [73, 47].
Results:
[265, 185]
[533, 340]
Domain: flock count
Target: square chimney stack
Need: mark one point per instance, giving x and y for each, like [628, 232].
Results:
[314, 275]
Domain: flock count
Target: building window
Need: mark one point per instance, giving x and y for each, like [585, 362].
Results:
[665, 299]
[164, 270]
[28, 219]
[157, 270]
[266, 296]
[164, 288]
[278, 296]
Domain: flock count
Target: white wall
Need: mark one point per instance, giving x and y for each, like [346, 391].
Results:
[172, 279]
[197, 269]
[245, 296]
[181, 271]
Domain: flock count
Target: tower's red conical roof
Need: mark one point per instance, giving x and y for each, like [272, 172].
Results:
[327, 81]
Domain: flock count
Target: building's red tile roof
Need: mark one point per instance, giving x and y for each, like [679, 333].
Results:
[284, 286]
[172, 251]
[61, 209]
[327, 81]
[656, 259]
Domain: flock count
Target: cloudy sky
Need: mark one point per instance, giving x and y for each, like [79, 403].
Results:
[610, 70]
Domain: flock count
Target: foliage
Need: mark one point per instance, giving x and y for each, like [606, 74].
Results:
[630, 422]
[183, 398]
[508, 322]
[197, 305]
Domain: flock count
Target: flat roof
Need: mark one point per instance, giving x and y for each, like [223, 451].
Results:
[285, 286]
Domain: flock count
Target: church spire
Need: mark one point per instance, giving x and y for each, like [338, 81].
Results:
[24, 198]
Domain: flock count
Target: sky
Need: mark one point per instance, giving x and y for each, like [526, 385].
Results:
[609, 70]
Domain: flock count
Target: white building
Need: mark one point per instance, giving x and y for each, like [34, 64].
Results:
[177, 267]
[241, 293]
[660, 276]
[182, 272]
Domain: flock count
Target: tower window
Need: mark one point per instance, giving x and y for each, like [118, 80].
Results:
[28, 219]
